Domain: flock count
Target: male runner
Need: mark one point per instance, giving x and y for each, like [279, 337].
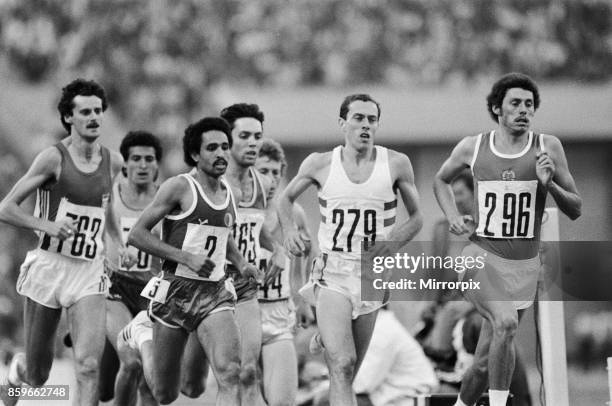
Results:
[513, 169]
[278, 297]
[357, 186]
[141, 153]
[250, 235]
[73, 181]
[194, 295]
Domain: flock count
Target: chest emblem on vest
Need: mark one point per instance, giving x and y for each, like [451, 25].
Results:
[508, 174]
[228, 220]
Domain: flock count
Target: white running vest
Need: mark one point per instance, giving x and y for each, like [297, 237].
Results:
[353, 213]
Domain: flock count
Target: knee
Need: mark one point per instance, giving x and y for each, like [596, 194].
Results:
[506, 325]
[342, 366]
[229, 374]
[248, 374]
[87, 366]
[37, 377]
[480, 367]
[193, 389]
[165, 396]
[131, 365]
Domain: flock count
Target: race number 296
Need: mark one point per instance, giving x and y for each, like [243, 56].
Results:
[47, 392]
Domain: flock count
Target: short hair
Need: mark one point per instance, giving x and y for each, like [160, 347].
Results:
[508, 81]
[273, 150]
[344, 107]
[241, 110]
[465, 177]
[78, 87]
[192, 140]
[140, 139]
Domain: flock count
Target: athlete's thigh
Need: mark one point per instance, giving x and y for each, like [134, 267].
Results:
[334, 319]
[219, 335]
[280, 371]
[362, 328]
[117, 317]
[40, 327]
[248, 317]
[195, 363]
[87, 324]
[168, 347]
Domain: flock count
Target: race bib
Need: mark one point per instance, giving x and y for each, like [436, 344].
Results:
[144, 260]
[506, 209]
[246, 234]
[86, 243]
[203, 239]
[156, 290]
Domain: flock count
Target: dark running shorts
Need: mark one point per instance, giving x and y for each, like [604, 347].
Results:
[189, 301]
[246, 289]
[127, 291]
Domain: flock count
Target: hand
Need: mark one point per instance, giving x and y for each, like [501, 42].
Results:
[297, 243]
[545, 168]
[276, 265]
[200, 264]
[128, 256]
[461, 224]
[251, 271]
[62, 229]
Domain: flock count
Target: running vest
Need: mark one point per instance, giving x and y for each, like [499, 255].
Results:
[353, 213]
[202, 230]
[81, 196]
[251, 216]
[279, 289]
[127, 217]
[508, 198]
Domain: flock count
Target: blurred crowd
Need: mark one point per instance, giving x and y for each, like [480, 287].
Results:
[158, 57]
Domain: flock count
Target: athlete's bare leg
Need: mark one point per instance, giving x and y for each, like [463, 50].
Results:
[38, 347]
[248, 316]
[169, 345]
[195, 368]
[87, 324]
[280, 377]
[129, 373]
[363, 327]
[117, 317]
[335, 326]
[480, 374]
[219, 336]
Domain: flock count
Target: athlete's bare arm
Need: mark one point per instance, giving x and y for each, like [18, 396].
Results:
[553, 172]
[459, 160]
[113, 229]
[298, 271]
[403, 175]
[46, 167]
[173, 194]
[313, 171]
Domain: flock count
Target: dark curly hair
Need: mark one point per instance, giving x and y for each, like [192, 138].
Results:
[78, 87]
[240, 110]
[508, 81]
[140, 139]
[192, 140]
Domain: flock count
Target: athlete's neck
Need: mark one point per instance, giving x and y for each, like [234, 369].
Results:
[510, 141]
[236, 172]
[358, 155]
[83, 148]
[139, 189]
[209, 183]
